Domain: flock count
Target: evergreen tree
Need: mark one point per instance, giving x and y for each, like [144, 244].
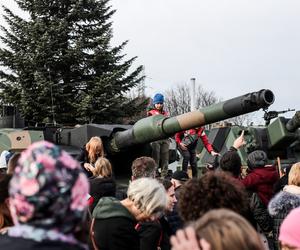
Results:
[60, 65]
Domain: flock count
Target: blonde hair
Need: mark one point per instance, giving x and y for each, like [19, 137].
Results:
[294, 175]
[102, 168]
[225, 229]
[95, 149]
[148, 195]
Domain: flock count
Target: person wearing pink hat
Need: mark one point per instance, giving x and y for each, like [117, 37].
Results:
[285, 201]
[289, 234]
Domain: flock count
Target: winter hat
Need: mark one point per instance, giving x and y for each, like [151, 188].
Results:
[158, 98]
[48, 189]
[180, 175]
[289, 230]
[257, 159]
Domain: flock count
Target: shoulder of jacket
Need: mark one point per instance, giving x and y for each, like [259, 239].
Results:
[283, 202]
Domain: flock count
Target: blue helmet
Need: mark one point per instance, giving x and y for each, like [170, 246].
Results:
[158, 98]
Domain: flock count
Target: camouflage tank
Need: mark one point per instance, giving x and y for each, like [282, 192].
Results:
[124, 143]
[18, 139]
[280, 139]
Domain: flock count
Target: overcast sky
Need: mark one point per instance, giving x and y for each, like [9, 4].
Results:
[230, 46]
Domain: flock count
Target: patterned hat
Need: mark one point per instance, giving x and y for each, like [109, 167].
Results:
[48, 189]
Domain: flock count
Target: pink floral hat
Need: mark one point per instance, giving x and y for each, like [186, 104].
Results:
[48, 190]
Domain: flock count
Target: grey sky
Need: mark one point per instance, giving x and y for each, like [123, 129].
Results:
[231, 47]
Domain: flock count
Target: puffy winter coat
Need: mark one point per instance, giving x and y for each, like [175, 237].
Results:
[281, 205]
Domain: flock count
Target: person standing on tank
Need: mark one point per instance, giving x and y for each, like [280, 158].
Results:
[187, 143]
[160, 148]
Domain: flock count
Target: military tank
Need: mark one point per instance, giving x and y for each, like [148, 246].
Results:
[124, 143]
[279, 138]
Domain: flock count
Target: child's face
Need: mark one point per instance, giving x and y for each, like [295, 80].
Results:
[158, 106]
[171, 199]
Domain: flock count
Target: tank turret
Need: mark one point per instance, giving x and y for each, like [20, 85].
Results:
[279, 138]
[123, 143]
[282, 132]
[18, 139]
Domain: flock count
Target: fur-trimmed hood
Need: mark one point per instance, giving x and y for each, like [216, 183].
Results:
[292, 189]
[284, 202]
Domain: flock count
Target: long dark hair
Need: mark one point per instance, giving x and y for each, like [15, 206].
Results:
[5, 216]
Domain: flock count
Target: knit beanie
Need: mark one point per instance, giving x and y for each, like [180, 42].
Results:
[289, 230]
[257, 159]
[158, 98]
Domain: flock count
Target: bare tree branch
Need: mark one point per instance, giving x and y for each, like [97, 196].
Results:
[178, 100]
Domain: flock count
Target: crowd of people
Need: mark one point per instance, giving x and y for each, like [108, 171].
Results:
[49, 200]
[52, 201]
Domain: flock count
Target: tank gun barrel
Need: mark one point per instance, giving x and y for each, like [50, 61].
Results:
[159, 127]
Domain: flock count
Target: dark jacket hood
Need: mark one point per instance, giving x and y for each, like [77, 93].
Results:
[102, 187]
[108, 207]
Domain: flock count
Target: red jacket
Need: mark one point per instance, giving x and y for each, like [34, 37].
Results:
[261, 181]
[200, 134]
[155, 111]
